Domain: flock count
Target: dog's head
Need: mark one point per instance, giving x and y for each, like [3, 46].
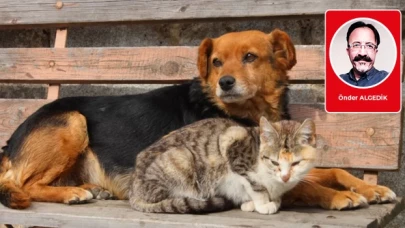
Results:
[238, 68]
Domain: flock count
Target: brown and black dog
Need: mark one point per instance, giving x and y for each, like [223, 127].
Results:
[79, 148]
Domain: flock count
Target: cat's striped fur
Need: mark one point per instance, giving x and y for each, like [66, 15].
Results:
[216, 164]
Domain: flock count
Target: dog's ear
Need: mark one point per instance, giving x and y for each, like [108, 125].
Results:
[283, 49]
[204, 53]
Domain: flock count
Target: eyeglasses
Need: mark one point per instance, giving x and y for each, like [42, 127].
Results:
[368, 46]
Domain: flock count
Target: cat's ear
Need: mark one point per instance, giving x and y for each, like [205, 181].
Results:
[305, 134]
[267, 131]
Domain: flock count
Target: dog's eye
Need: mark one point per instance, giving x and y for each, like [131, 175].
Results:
[249, 57]
[217, 62]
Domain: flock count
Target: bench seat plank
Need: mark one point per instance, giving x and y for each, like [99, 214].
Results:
[118, 214]
[342, 139]
[125, 65]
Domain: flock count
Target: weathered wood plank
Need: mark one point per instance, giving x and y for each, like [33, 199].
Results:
[371, 177]
[125, 65]
[98, 65]
[13, 113]
[70, 12]
[119, 214]
[342, 139]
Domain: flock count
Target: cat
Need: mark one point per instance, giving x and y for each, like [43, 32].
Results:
[217, 164]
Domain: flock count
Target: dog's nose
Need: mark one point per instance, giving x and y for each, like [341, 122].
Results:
[226, 82]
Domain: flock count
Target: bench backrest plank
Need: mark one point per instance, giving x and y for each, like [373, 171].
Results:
[125, 65]
[71, 12]
[365, 141]
[343, 140]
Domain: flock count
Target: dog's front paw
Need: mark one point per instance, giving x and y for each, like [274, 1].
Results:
[347, 200]
[78, 196]
[248, 206]
[376, 193]
[267, 208]
[98, 192]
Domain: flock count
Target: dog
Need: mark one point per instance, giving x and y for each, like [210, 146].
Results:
[76, 149]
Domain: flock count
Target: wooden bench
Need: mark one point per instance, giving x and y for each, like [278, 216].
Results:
[60, 65]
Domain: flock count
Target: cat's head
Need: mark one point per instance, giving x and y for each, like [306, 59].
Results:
[287, 148]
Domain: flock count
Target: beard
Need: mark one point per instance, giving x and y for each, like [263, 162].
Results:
[362, 63]
[362, 67]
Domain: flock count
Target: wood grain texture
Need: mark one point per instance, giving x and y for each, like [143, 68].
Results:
[371, 177]
[47, 12]
[103, 214]
[342, 140]
[13, 113]
[61, 37]
[125, 65]
[53, 91]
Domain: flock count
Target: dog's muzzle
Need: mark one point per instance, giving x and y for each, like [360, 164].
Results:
[227, 82]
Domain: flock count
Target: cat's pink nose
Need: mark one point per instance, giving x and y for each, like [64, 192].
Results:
[285, 178]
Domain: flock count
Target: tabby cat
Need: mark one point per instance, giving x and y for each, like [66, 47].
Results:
[217, 164]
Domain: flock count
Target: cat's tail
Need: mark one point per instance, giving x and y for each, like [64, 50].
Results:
[183, 205]
[10, 194]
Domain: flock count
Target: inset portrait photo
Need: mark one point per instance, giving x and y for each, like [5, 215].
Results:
[363, 53]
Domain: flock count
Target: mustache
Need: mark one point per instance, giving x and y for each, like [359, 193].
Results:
[362, 58]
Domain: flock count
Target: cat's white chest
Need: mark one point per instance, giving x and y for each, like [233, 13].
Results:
[232, 187]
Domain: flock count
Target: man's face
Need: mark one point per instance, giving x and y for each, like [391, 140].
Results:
[361, 54]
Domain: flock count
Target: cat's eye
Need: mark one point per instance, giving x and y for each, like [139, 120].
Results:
[275, 163]
[304, 141]
[249, 57]
[272, 161]
[216, 62]
[295, 163]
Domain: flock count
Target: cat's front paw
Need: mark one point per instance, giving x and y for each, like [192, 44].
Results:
[376, 193]
[267, 208]
[248, 206]
[347, 200]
